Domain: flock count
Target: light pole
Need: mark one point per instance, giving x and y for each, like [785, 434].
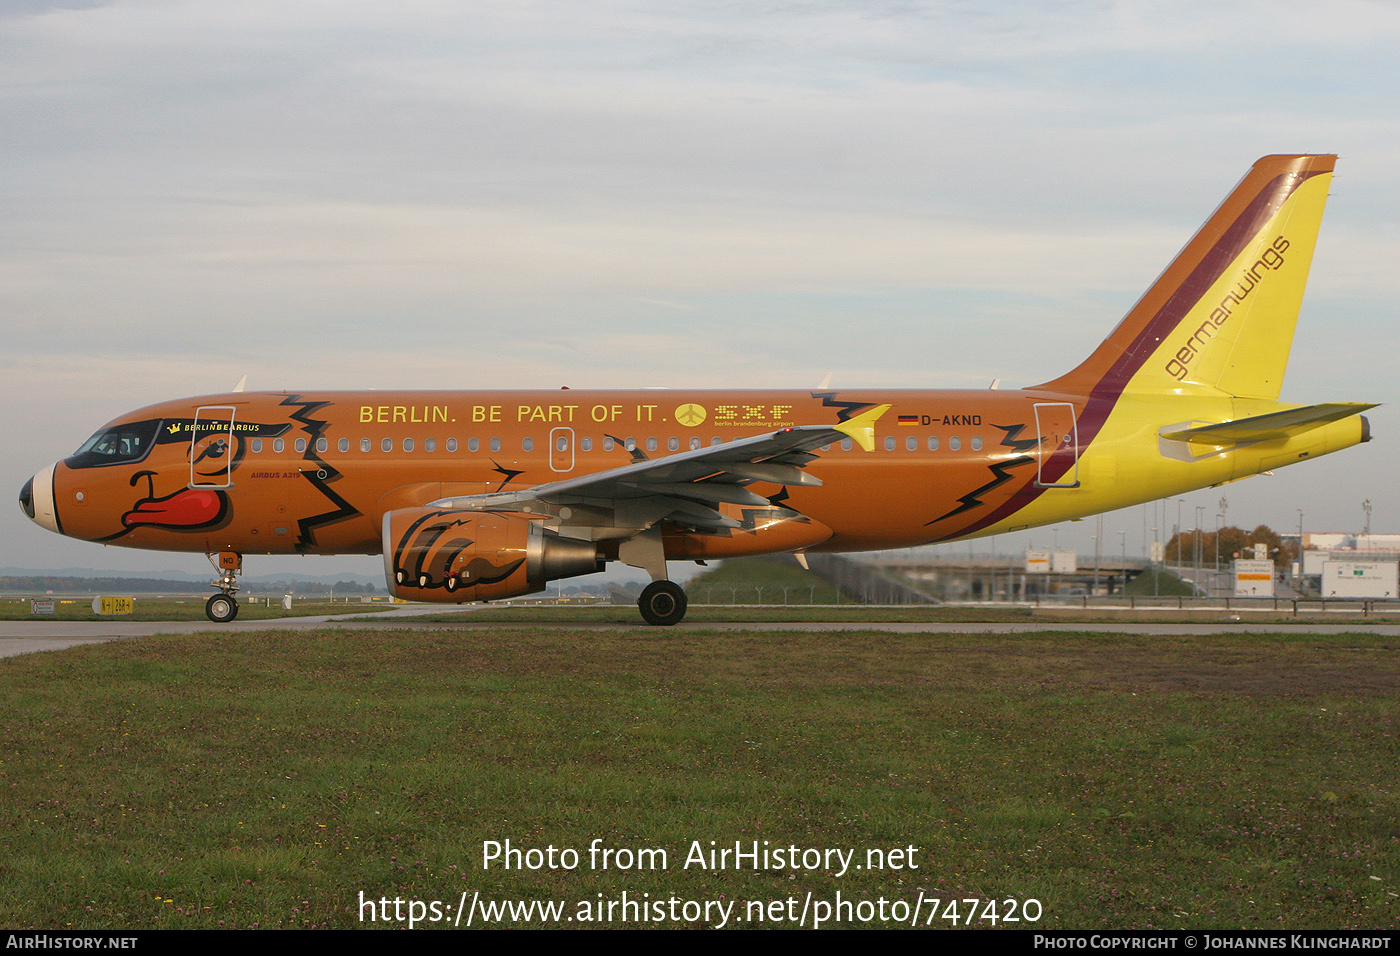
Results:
[1179, 503]
[1123, 547]
[1298, 578]
[1153, 558]
[1215, 578]
[1196, 543]
[1098, 540]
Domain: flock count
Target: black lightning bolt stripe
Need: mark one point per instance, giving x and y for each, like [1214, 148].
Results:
[999, 470]
[973, 498]
[1009, 439]
[847, 408]
[506, 473]
[316, 428]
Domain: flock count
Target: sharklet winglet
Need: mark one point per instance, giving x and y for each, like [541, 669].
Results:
[862, 427]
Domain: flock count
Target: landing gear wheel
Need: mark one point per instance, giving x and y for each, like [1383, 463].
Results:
[221, 608]
[662, 603]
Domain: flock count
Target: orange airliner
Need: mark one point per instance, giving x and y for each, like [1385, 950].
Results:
[474, 496]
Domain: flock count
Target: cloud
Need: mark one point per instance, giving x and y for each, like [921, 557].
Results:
[29, 8]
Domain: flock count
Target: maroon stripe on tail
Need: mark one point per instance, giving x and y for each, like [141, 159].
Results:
[1106, 392]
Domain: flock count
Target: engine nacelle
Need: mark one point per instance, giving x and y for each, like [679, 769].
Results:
[431, 554]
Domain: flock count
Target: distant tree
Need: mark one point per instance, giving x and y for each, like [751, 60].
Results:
[1234, 543]
[625, 593]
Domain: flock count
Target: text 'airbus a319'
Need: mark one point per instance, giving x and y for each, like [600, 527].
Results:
[474, 496]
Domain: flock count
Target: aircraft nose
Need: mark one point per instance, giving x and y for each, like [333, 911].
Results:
[36, 498]
[26, 498]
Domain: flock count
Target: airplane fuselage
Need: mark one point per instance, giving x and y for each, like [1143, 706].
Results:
[312, 473]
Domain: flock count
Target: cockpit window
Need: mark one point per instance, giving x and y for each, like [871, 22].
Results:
[118, 445]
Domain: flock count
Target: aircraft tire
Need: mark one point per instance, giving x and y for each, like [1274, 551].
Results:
[221, 608]
[662, 603]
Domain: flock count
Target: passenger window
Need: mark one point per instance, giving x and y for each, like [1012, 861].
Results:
[716, 441]
[364, 444]
[846, 444]
[452, 444]
[257, 446]
[321, 444]
[343, 445]
[607, 443]
[977, 444]
[889, 444]
[301, 444]
[586, 444]
[932, 443]
[408, 444]
[954, 443]
[387, 444]
[651, 444]
[674, 444]
[630, 444]
[911, 443]
[473, 444]
[278, 445]
[527, 444]
[430, 444]
[695, 443]
[562, 444]
[495, 444]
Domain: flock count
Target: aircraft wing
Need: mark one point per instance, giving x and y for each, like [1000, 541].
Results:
[687, 487]
[1275, 425]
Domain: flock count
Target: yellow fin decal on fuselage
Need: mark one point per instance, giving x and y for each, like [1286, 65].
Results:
[862, 427]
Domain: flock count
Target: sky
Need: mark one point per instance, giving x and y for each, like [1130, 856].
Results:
[609, 194]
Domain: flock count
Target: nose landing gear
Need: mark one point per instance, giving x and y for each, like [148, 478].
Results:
[223, 607]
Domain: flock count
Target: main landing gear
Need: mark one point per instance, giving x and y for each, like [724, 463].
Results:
[223, 607]
[662, 603]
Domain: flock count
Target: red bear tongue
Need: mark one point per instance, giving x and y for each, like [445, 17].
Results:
[189, 507]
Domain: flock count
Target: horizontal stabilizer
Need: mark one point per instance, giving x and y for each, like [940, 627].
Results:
[1275, 425]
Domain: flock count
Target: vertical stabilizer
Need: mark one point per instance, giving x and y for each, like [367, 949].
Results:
[1220, 319]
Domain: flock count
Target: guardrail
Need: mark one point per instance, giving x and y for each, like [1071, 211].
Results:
[1366, 607]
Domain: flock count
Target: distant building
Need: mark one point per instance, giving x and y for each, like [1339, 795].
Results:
[1319, 548]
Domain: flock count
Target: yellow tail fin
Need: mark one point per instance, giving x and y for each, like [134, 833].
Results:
[1220, 319]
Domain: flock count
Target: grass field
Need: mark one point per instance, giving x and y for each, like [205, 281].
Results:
[269, 779]
[525, 616]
